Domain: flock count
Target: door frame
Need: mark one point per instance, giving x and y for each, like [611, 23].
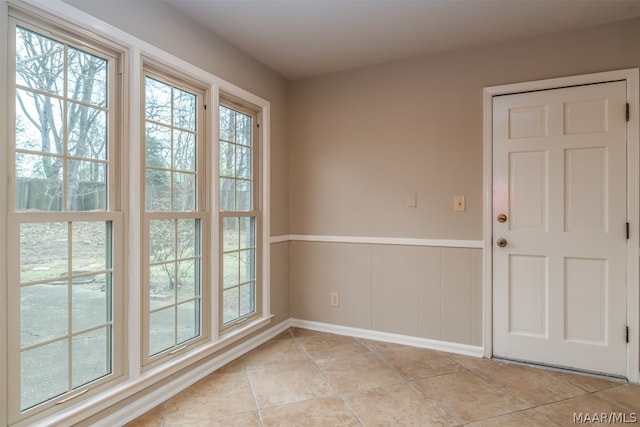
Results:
[631, 76]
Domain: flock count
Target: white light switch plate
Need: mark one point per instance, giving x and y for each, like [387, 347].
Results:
[412, 200]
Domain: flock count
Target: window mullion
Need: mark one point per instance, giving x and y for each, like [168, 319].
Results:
[69, 306]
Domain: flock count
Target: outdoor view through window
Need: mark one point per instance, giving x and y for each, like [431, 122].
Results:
[238, 214]
[173, 215]
[62, 164]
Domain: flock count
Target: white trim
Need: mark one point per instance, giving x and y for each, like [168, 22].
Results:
[265, 206]
[280, 239]
[134, 301]
[214, 208]
[4, 166]
[633, 176]
[402, 241]
[633, 215]
[449, 347]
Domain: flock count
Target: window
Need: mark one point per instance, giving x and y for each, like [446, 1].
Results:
[105, 290]
[66, 274]
[174, 213]
[239, 218]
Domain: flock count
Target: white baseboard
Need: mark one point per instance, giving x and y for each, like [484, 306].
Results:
[159, 395]
[154, 398]
[449, 347]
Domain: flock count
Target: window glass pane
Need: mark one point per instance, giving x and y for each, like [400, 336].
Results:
[90, 246]
[38, 182]
[244, 198]
[91, 356]
[184, 192]
[43, 251]
[157, 190]
[90, 302]
[38, 384]
[158, 144]
[162, 240]
[231, 269]
[247, 232]
[43, 312]
[188, 321]
[227, 159]
[162, 279]
[48, 122]
[247, 299]
[245, 166]
[188, 241]
[231, 305]
[184, 151]
[247, 265]
[86, 186]
[87, 78]
[227, 194]
[87, 128]
[184, 105]
[39, 62]
[157, 101]
[230, 233]
[39, 122]
[243, 129]
[161, 330]
[188, 279]
[227, 124]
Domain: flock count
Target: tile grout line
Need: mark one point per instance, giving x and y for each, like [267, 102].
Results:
[486, 374]
[253, 393]
[340, 396]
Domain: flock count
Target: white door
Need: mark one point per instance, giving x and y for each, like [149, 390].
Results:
[559, 177]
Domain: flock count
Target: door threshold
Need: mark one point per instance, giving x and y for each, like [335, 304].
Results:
[565, 369]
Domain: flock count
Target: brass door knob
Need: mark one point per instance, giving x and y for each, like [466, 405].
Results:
[501, 242]
[502, 218]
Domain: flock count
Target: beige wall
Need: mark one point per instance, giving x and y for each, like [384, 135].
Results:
[163, 26]
[348, 148]
[360, 141]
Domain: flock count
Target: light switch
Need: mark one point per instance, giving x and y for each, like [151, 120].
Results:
[412, 200]
[459, 204]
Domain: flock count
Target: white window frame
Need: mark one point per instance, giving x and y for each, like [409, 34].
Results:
[142, 383]
[256, 211]
[178, 80]
[51, 26]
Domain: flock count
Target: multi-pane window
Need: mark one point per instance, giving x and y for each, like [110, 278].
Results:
[66, 248]
[62, 113]
[65, 278]
[238, 215]
[174, 214]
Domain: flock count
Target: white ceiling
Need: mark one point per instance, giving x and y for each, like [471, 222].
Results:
[303, 38]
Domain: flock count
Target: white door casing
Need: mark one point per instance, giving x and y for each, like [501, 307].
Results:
[559, 175]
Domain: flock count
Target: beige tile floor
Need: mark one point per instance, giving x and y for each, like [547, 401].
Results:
[308, 378]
